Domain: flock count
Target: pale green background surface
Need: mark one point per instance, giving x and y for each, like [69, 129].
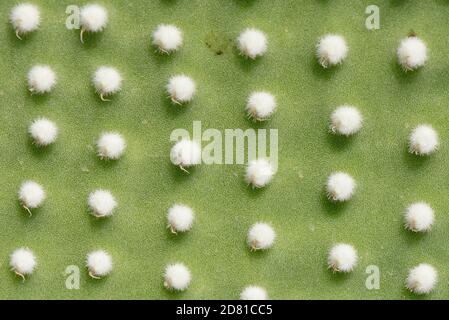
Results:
[146, 184]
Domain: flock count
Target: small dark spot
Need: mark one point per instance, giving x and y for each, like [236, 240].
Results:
[412, 34]
[217, 42]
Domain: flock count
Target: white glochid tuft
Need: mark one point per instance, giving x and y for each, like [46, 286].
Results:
[331, 50]
[22, 262]
[340, 186]
[419, 217]
[101, 203]
[180, 218]
[177, 276]
[99, 263]
[342, 258]
[412, 53]
[43, 131]
[181, 89]
[111, 145]
[261, 236]
[259, 172]
[346, 120]
[423, 140]
[25, 18]
[107, 81]
[261, 105]
[31, 195]
[254, 293]
[422, 279]
[41, 79]
[93, 18]
[185, 153]
[252, 43]
[167, 38]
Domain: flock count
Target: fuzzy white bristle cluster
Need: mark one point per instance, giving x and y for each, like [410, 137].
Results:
[346, 120]
[99, 263]
[252, 43]
[422, 279]
[253, 293]
[25, 18]
[177, 276]
[181, 88]
[342, 258]
[259, 172]
[261, 236]
[41, 79]
[261, 105]
[101, 203]
[331, 50]
[43, 131]
[31, 195]
[340, 186]
[111, 145]
[107, 81]
[423, 140]
[93, 18]
[185, 153]
[412, 53]
[22, 262]
[167, 38]
[180, 218]
[419, 217]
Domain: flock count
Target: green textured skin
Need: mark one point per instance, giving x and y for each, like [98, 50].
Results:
[146, 184]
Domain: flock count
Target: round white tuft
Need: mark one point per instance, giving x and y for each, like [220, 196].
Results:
[107, 81]
[419, 217]
[346, 120]
[25, 17]
[31, 195]
[41, 79]
[99, 263]
[261, 105]
[185, 153]
[180, 218]
[340, 186]
[252, 43]
[422, 279]
[423, 140]
[93, 18]
[331, 50]
[261, 236]
[43, 131]
[101, 203]
[181, 89]
[412, 53]
[22, 262]
[111, 145]
[259, 173]
[167, 38]
[253, 293]
[342, 258]
[177, 276]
